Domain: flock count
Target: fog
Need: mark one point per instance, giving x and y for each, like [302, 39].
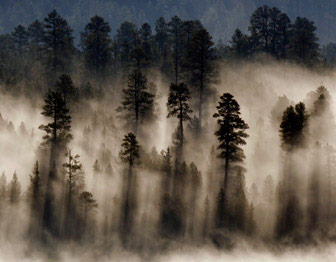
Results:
[256, 87]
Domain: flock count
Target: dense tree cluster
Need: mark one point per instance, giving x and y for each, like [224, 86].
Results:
[188, 204]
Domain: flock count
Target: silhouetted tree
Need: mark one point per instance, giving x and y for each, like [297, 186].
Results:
[66, 87]
[293, 126]
[129, 154]
[58, 44]
[239, 45]
[97, 46]
[230, 133]
[304, 47]
[178, 106]
[176, 36]
[137, 101]
[57, 131]
[162, 42]
[20, 36]
[14, 190]
[200, 65]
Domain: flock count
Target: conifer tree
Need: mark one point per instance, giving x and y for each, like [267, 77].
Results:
[200, 66]
[130, 150]
[129, 154]
[239, 45]
[58, 130]
[137, 102]
[3, 192]
[20, 36]
[36, 35]
[14, 190]
[293, 126]
[66, 87]
[176, 36]
[162, 42]
[304, 47]
[97, 46]
[126, 38]
[178, 106]
[230, 132]
[58, 44]
[96, 167]
[35, 187]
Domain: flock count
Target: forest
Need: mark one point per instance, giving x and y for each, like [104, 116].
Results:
[158, 138]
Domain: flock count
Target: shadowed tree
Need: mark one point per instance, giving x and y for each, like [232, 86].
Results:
[96, 45]
[239, 45]
[293, 136]
[293, 126]
[200, 66]
[96, 167]
[304, 47]
[230, 132]
[176, 36]
[88, 205]
[14, 190]
[129, 154]
[162, 42]
[57, 136]
[178, 106]
[260, 28]
[75, 184]
[3, 192]
[231, 135]
[66, 87]
[58, 130]
[59, 46]
[137, 101]
[36, 36]
[35, 198]
[20, 36]
[126, 41]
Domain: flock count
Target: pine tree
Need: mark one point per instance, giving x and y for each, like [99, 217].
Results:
[260, 28]
[97, 47]
[20, 36]
[130, 151]
[36, 36]
[285, 27]
[75, 185]
[129, 154]
[58, 44]
[239, 45]
[75, 176]
[178, 106]
[137, 101]
[88, 205]
[66, 87]
[14, 190]
[126, 40]
[293, 126]
[147, 43]
[176, 36]
[304, 47]
[96, 167]
[200, 66]
[162, 42]
[35, 187]
[3, 192]
[230, 133]
[57, 131]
